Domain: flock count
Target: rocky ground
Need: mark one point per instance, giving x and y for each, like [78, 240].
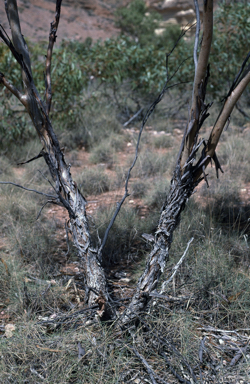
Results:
[79, 19]
[88, 18]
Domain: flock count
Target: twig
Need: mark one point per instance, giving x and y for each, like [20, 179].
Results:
[210, 328]
[151, 373]
[181, 380]
[166, 343]
[62, 319]
[242, 111]
[11, 87]
[197, 33]
[126, 194]
[176, 267]
[202, 348]
[145, 119]
[170, 299]
[32, 370]
[52, 39]
[47, 202]
[133, 117]
[33, 158]
[239, 354]
[28, 189]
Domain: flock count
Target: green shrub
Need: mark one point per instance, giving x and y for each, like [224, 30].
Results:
[230, 43]
[93, 182]
[163, 141]
[136, 21]
[152, 164]
[157, 194]
[125, 232]
[140, 188]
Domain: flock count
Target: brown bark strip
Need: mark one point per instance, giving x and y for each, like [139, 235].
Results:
[222, 120]
[66, 189]
[200, 76]
[52, 40]
[180, 191]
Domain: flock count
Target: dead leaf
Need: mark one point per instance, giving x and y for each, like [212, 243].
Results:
[9, 329]
[5, 265]
[234, 297]
[48, 349]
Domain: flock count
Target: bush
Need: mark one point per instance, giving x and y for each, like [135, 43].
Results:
[230, 43]
[93, 182]
[136, 21]
[121, 69]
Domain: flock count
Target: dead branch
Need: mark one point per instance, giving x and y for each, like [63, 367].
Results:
[67, 191]
[224, 115]
[176, 267]
[52, 40]
[200, 75]
[188, 172]
[150, 371]
[197, 34]
[30, 190]
[147, 366]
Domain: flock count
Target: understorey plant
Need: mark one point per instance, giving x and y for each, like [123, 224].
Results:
[194, 155]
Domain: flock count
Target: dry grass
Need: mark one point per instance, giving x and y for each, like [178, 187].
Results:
[211, 288]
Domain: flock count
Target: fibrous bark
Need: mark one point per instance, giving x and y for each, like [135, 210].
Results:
[188, 172]
[181, 189]
[68, 194]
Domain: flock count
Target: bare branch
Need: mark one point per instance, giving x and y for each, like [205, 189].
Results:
[200, 76]
[145, 119]
[133, 117]
[176, 267]
[239, 354]
[30, 160]
[151, 373]
[28, 189]
[13, 89]
[180, 379]
[197, 34]
[52, 39]
[17, 37]
[47, 202]
[222, 120]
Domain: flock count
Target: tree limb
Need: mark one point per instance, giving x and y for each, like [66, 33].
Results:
[176, 267]
[28, 189]
[222, 120]
[197, 34]
[200, 76]
[52, 39]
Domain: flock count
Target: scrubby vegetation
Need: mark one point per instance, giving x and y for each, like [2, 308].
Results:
[97, 87]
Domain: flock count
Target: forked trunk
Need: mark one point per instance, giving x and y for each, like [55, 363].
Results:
[180, 190]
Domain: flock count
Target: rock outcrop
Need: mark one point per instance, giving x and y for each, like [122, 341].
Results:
[175, 12]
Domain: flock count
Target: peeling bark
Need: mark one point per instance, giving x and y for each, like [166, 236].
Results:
[68, 194]
[181, 189]
[187, 175]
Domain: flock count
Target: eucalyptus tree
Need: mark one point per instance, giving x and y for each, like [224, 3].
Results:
[192, 158]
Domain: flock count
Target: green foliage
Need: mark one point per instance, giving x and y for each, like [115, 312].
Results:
[93, 182]
[230, 43]
[121, 68]
[136, 21]
[15, 125]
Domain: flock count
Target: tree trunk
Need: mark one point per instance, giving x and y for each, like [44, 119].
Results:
[180, 190]
[68, 194]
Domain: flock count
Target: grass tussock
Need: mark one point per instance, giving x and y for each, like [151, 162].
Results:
[210, 289]
[94, 182]
[125, 234]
